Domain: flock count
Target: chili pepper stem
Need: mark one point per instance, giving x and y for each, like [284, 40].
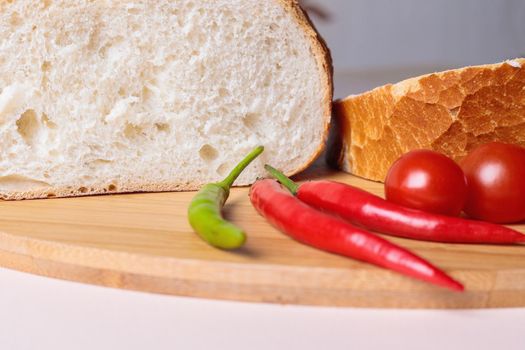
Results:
[234, 174]
[283, 179]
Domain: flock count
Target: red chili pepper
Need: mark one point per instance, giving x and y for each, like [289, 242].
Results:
[330, 233]
[375, 213]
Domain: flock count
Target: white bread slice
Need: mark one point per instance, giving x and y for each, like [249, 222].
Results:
[155, 95]
[450, 112]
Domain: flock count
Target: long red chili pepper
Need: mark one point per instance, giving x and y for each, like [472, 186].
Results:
[330, 233]
[375, 213]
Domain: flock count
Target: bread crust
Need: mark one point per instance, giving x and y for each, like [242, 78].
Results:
[450, 112]
[99, 189]
[322, 56]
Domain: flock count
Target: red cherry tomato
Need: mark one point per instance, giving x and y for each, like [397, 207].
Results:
[496, 182]
[428, 181]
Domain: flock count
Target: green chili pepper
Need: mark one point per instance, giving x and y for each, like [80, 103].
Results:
[204, 212]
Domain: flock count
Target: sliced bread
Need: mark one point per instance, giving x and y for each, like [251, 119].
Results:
[450, 112]
[155, 95]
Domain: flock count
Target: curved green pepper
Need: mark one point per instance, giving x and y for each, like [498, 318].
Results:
[204, 211]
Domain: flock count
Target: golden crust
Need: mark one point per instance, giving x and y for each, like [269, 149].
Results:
[99, 189]
[450, 112]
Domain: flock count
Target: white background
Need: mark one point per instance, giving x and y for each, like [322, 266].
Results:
[40, 313]
[370, 34]
[379, 41]
[373, 42]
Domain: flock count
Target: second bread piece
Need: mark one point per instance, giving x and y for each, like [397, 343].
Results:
[450, 112]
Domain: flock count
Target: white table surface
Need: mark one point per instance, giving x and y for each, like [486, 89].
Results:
[43, 313]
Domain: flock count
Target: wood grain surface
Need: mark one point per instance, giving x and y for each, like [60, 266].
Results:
[143, 242]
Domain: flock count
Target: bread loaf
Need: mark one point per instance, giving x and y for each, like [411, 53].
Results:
[155, 95]
[450, 112]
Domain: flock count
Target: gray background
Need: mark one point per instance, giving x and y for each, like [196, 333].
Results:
[379, 41]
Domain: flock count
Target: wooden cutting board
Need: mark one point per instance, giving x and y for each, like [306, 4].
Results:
[143, 242]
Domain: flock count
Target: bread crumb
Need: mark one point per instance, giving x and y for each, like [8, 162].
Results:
[514, 63]
[104, 93]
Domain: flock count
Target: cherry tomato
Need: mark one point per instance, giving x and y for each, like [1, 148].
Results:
[428, 181]
[496, 182]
